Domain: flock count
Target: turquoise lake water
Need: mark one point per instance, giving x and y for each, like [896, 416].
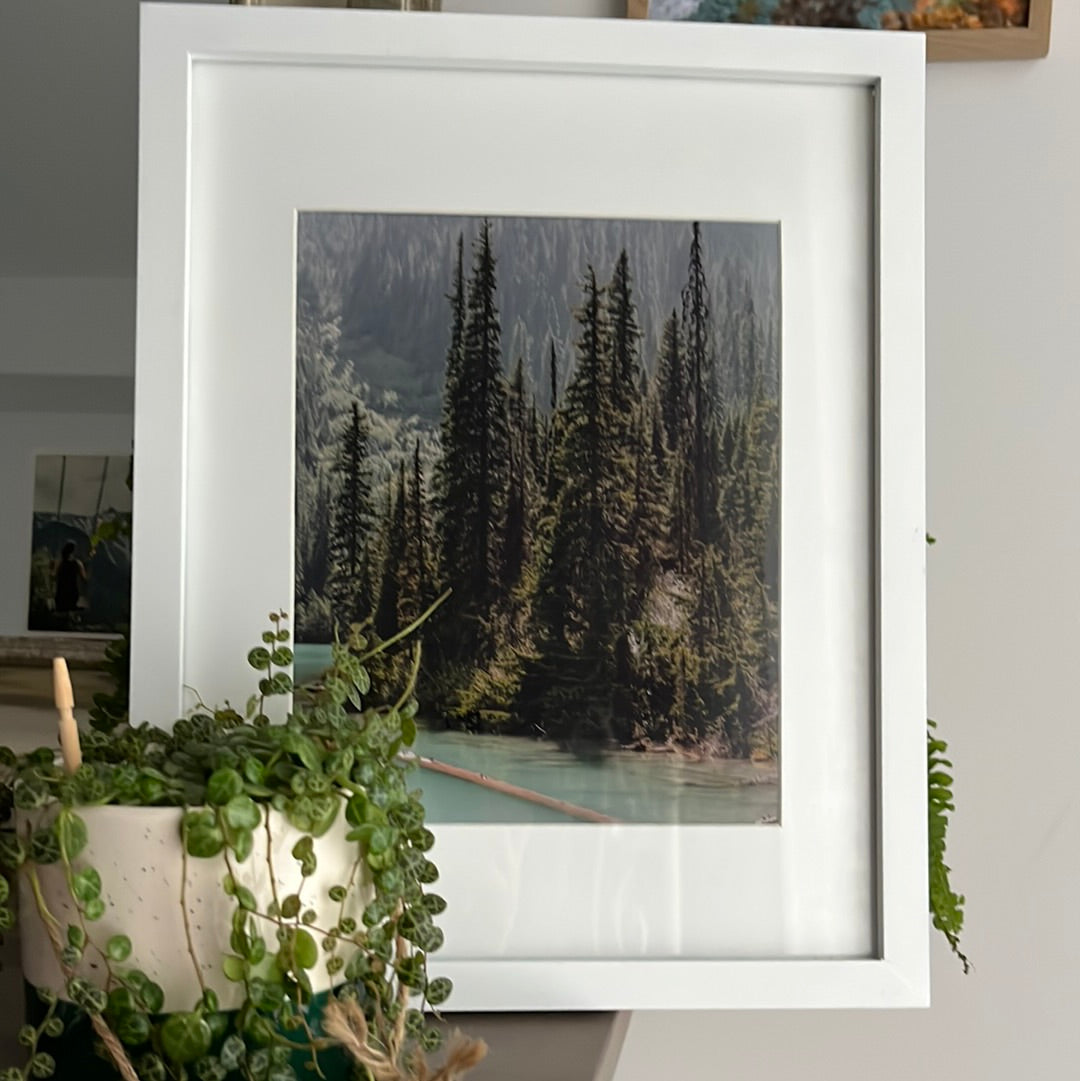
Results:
[628, 786]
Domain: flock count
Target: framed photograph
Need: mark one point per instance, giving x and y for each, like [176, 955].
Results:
[80, 561]
[644, 395]
[954, 29]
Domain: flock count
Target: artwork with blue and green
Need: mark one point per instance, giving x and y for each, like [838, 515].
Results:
[861, 14]
[571, 428]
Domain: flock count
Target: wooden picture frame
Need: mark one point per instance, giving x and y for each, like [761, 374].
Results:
[1031, 42]
[242, 115]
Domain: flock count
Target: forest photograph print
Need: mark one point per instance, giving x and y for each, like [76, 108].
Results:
[567, 431]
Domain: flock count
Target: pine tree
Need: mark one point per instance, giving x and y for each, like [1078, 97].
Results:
[352, 515]
[701, 380]
[487, 386]
[393, 590]
[419, 533]
[474, 475]
[652, 507]
[553, 429]
[671, 382]
[450, 480]
[518, 537]
[626, 367]
[314, 558]
[581, 608]
[553, 376]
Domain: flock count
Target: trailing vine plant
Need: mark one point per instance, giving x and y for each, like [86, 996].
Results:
[235, 774]
[946, 906]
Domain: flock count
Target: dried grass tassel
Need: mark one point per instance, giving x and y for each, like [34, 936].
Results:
[346, 1023]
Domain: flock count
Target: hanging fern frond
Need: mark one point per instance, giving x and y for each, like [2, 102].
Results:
[946, 906]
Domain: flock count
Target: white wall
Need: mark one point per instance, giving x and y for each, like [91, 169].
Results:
[1003, 250]
[67, 326]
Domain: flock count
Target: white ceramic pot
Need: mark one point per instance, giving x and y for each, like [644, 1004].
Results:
[138, 853]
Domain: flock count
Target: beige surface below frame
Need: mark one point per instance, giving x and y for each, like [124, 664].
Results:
[1027, 43]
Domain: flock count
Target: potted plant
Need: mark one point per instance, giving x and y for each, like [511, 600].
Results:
[239, 897]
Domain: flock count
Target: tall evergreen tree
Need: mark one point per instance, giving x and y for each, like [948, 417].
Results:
[553, 378]
[652, 507]
[626, 367]
[392, 611]
[352, 516]
[701, 376]
[419, 528]
[671, 382]
[474, 473]
[518, 537]
[450, 481]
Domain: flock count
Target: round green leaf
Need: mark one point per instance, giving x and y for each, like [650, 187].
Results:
[223, 785]
[205, 842]
[259, 659]
[151, 1068]
[133, 1029]
[242, 812]
[433, 904]
[45, 845]
[438, 990]
[305, 951]
[234, 967]
[243, 843]
[42, 1065]
[185, 1037]
[232, 1052]
[121, 1001]
[290, 906]
[86, 885]
[152, 997]
[94, 909]
[118, 948]
[431, 1040]
[12, 851]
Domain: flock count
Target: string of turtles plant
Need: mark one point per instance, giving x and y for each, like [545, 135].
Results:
[333, 755]
[946, 906]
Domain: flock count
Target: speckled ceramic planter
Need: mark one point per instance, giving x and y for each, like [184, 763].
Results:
[137, 852]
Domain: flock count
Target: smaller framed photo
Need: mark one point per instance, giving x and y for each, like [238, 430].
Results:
[954, 29]
[80, 562]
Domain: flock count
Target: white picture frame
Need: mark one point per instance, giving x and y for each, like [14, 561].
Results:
[242, 119]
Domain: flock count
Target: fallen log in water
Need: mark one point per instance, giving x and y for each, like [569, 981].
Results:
[584, 814]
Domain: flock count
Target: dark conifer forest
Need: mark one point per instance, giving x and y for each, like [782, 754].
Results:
[572, 426]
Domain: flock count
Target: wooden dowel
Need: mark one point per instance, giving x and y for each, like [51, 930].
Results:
[64, 697]
[507, 789]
